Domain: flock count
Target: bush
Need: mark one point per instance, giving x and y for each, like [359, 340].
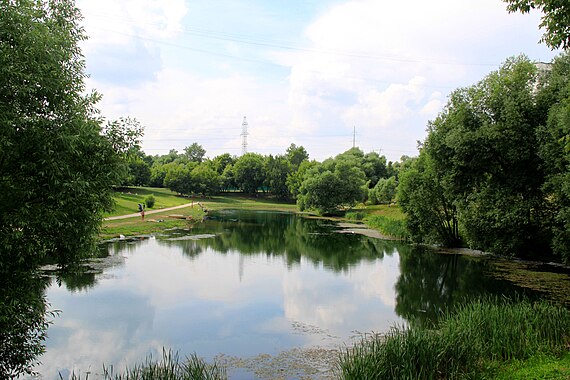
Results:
[354, 215]
[149, 201]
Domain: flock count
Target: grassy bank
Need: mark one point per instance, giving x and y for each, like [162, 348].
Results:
[388, 219]
[483, 339]
[127, 200]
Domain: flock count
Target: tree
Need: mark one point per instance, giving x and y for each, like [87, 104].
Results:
[222, 161]
[479, 169]
[431, 215]
[554, 150]
[249, 173]
[385, 190]
[195, 153]
[555, 19]
[334, 185]
[179, 178]
[125, 136]
[374, 167]
[295, 178]
[139, 172]
[277, 170]
[205, 180]
[56, 168]
[296, 155]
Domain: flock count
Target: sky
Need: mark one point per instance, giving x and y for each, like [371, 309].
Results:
[324, 74]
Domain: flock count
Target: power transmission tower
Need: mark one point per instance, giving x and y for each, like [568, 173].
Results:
[244, 136]
[354, 138]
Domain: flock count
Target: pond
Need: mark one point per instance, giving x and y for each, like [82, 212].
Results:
[268, 294]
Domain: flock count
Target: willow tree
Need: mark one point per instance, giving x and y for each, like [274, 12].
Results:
[56, 168]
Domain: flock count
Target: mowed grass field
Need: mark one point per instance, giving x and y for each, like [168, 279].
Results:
[128, 198]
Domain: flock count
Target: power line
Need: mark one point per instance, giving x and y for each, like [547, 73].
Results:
[256, 41]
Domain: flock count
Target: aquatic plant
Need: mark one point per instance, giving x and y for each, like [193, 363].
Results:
[169, 368]
[477, 333]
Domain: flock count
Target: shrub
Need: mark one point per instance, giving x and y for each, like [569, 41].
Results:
[149, 201]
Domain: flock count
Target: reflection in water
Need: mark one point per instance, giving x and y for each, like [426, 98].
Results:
[429, 284]
[23, 323]
[244, 284]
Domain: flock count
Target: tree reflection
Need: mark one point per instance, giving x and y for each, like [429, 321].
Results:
[283, 235]
[432, 283]
[24, 319]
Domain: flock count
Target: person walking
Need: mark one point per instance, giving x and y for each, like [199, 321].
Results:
[141, 210]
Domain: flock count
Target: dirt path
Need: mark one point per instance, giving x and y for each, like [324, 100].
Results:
[147, 212]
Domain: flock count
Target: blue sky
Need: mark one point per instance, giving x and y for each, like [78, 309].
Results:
[303, 72]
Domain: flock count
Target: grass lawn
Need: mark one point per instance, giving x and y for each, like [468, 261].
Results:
[152, 223]
[243, 202]
[128, 198]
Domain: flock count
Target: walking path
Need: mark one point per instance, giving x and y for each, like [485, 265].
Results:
[147, 212]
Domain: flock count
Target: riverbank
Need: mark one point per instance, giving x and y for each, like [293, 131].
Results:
[387, 219]
[189, 210]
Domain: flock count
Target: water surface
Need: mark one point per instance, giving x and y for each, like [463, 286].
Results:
[245, 284]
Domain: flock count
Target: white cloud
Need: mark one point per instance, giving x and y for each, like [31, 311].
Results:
[382, 67]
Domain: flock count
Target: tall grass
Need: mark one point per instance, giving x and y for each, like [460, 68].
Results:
[477, 333]
[169, 368]
[388, 225]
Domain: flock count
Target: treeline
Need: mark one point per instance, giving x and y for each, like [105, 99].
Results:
[494, 170]
[337, 183]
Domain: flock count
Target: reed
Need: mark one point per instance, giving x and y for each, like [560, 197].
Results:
[170, 367]
[388, 225]
[463, 344]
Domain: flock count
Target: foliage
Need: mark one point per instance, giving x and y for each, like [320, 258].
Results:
[277, 170]
[465, 341]
[23, 323]
[555, 19]
[205, 180]
[125, 135]
[222, 161]
[554, 137]
[333, 185]
[296, 155]
[149, 201]
[494, 164]
[295, 178]
[374, 166]
[195, 153]
[56, 169]
[139, 172]
[249, 173]
[431, 216]
[384, 191]
[178, 178]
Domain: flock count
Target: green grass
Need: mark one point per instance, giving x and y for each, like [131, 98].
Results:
[127, 200]
[243, 202]
[152, 223]
[539, 366]
[169, 368]
[466, 344]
